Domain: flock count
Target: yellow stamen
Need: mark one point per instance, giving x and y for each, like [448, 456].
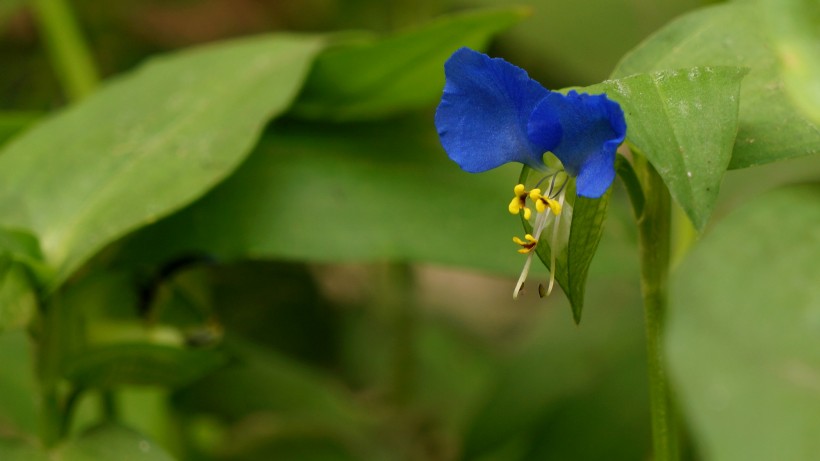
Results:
[519, 202]
[542, 202]
[528, 245]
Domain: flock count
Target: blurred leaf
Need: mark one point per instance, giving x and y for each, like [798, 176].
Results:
[578, 42]
[111, 442]
[19, 450]
[734, 34]
[372, 78]
[18, 301]
[795, 29]
[104, 342]
[139, 363]
[20, 245]
[280, 397]
[18, 389]
[744, 331]
[354, 192]
[545, 391]
[12, 123]
[684, 122]
[146, 144]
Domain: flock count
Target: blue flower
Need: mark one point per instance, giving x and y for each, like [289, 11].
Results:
[492, 113]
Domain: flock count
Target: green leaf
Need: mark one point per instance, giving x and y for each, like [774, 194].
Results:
[12, 123]
[795, 31]
[734, 34]
[586, 226]
[111, 442]
[353, 192]
[103, 342]
[744, 336]
[283, 396]
[18, 300]
[146, 144]
[112, 365]
[684, 122]
[19, 450]
[372, 78]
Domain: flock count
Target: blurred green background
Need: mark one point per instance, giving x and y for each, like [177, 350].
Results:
[351, 359]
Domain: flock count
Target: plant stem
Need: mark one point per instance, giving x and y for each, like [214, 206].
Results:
[396, 298]
[654, 248]
[69, 53]
[48, 344]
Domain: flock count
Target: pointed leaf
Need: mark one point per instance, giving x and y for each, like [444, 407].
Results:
[145, 144]
[373, 78]
[744, 335]
[734, 34]
[684, 122]
[586, 226]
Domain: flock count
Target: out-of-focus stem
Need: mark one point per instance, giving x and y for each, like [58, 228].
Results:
[69, 52]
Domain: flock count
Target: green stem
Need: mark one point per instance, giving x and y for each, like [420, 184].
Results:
[396, 304]
[47, 340]
[654, 248]
[69, 53]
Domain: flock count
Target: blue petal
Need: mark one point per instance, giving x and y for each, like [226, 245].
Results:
[483, 115]
[592, 128]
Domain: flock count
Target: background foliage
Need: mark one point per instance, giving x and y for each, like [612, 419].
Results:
[246, 243]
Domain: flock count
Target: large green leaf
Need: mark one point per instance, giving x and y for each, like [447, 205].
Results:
[795, 29]
[744, 331]
[12, 123]
[146, 144]
[684, 122]
[371, 78]
[734, 34]
[111, 442]
[357, 192]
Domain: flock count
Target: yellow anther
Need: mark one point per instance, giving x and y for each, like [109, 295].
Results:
[542, 202]
[528, 244]
[519, 202]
